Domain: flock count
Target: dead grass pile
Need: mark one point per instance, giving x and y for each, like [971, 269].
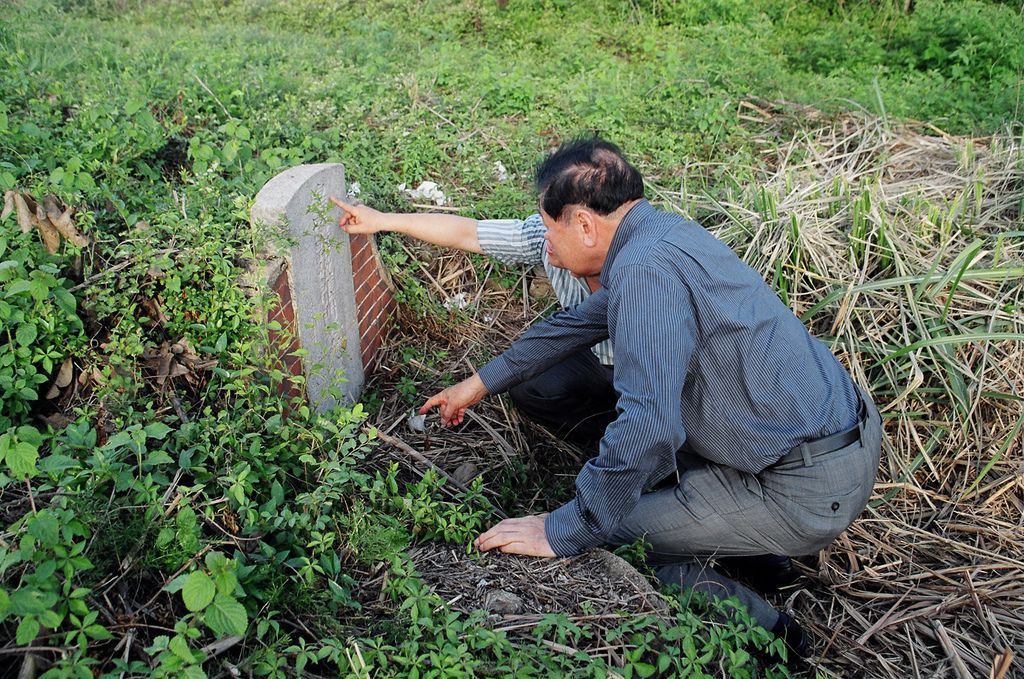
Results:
[903, 249]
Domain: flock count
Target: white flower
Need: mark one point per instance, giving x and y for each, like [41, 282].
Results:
[500, 172]
[354, 190]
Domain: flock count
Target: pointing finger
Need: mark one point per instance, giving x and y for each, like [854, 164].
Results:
[349, 210]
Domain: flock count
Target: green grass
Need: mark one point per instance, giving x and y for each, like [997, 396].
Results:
[161, 120]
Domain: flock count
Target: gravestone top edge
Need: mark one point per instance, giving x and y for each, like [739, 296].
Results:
[272, 201]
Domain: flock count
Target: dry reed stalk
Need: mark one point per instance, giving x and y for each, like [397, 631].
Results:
[916, 243]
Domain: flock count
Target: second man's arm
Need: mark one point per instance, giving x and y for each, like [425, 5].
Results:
[440, 229]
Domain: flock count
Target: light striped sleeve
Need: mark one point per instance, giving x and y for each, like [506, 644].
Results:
[512, 241]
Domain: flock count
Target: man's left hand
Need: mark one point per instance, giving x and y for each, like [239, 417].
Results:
[524, 535]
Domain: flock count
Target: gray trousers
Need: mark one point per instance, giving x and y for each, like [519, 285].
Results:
[789, 509]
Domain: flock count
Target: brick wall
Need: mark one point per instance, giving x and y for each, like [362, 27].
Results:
[374, 302]
[285, 340]
[374, 299]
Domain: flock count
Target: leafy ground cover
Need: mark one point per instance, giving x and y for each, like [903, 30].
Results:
[168, 513]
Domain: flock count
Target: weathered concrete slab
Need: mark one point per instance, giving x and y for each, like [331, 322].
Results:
[315, 287]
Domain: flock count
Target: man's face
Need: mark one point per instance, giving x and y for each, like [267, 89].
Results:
[559, 240]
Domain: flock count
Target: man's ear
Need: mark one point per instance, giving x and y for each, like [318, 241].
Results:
[586, 222]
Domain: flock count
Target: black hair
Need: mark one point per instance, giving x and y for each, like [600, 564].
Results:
[588, 171]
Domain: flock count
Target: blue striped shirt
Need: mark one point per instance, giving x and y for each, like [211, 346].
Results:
[521, 241]
[705, 354]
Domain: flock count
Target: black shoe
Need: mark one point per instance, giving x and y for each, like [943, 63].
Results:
[763, 572]
[790, 631]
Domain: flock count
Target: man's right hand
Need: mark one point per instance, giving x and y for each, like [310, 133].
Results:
[453, 401]
[361, 218]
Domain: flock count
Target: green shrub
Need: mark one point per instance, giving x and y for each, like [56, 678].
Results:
[39, 320]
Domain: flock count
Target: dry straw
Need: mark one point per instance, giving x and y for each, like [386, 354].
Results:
[901, 248]
[903, 251]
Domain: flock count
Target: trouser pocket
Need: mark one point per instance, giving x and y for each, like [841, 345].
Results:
[821, 501]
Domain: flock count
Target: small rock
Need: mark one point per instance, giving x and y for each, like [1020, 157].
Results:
[503, 603]
[466, 472]
[417, 423]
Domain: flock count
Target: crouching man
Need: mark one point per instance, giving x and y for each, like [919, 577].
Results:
[737, 433]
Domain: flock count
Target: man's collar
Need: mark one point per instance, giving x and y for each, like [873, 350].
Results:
[629, 224]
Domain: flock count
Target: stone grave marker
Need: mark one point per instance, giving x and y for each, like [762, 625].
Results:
[333, 295]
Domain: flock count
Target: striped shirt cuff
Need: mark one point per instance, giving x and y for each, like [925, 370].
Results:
[566, 531]
[511, 241]
[498, 376]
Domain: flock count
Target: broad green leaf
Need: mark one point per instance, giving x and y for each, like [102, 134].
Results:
[643, 669]
[18, 287]
[56, 463]
[38, 289]
[179, 647]
[158, 457]
[193, 672]
[30, 434]
[28, 601]
[45, 528]
[186, 518]
[5, 604]
[198, 591]
[226, 616]
[45, 570]
[26, 334]
[157, 430]
[21, 458]
[215, 561]
[134, 104]
[98, 632]
[163, 539]
[50, 619]
[85, 182]
[121, 438]
[65, 299]
[226, 581]
[28, 630]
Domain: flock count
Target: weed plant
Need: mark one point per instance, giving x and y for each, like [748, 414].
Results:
[206, 523]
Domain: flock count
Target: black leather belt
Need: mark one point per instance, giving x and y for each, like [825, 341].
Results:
[808, 450]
